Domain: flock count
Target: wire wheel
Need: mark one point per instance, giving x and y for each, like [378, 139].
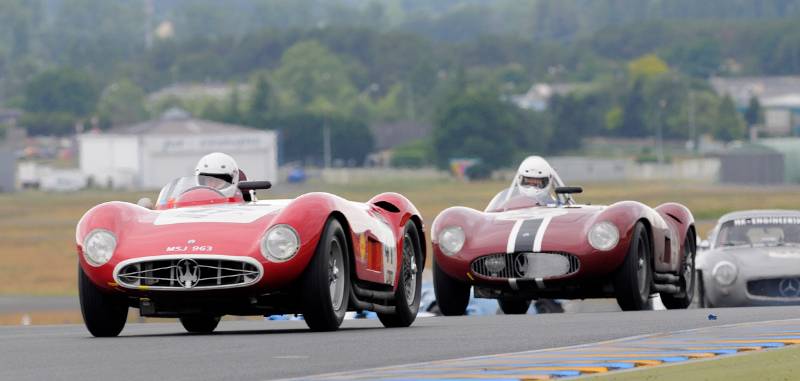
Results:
[336, 275]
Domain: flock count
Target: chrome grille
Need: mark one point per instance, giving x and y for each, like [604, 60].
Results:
[775, 288]
[514, 267]
[191, 272]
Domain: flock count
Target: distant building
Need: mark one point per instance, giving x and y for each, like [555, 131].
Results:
[782, 115]
[779, 97]
[539, 94]
[741, 89]
[192, 91]
[8, 169]
[766, 161]
[150, 154]
[751, 164]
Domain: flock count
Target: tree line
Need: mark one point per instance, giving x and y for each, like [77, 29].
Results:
[349, 64]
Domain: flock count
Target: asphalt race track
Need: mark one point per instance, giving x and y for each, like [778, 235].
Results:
[250, 350]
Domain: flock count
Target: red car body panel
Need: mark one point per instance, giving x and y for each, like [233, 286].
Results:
[234, 228]
[566, 231]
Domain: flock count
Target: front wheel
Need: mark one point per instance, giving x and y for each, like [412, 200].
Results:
[514, 307]
[199, 323]
[325, 285]
[452, 295]
[633, 278]
[406, 298]
[104, 314]
[688, 278]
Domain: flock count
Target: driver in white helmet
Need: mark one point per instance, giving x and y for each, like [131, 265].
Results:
[220, 167]
[535, 180]
[534, 184]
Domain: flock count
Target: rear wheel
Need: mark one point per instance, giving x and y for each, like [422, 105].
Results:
[325, 285]
[452, 295]
[688, 279]
[104, 314]
[633, 278]
[406, 298]
[514, 307]
[200, 323]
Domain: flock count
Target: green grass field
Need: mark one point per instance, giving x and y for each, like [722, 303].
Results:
[769, 365]
[37, 241]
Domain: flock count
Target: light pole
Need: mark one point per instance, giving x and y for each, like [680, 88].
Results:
[662, 104]
[326, 142]
[692, 127]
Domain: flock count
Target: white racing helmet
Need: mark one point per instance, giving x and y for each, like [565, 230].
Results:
[535, 179]
[220, 166]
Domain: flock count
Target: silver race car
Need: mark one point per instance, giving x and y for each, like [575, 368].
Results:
[752, 259]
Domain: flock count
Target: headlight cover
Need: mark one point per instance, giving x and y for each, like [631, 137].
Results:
[725, 273]
[451, 240]
[280, 243]
[98, 247]
[603, 236]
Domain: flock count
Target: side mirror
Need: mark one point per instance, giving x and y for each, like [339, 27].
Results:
[704, 245]
[145, 202]
[246, 186]
[568, 190]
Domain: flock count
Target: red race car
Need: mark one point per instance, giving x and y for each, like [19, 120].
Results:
[534, 241]
[203, 252]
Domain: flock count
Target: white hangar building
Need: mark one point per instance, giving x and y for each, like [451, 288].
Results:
[150, 154]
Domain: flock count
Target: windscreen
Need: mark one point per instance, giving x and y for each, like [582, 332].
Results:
[760, 231]
[511, 198]
[176, 188]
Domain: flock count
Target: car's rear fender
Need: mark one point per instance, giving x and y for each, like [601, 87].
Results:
[399, 210]
[680, 218]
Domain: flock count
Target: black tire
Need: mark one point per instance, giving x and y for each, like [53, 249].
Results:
[104, 314]
[199, 323]
[683, 299]
[702, 300]
[319, 311]
[411, 272]
[514, 307]
[633, 278]
[452, 295]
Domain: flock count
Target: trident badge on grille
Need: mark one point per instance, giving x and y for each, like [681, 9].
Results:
[188, 273]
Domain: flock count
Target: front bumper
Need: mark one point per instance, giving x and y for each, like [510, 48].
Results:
[518, 280]
[752, 291]
[187, 272]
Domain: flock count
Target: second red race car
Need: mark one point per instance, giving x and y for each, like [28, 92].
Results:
[534, 241]
[204, 252]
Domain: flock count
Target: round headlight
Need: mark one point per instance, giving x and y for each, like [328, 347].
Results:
[451, 240]
[603, 236]
[280, 243]
[725, 273]
[98, 247]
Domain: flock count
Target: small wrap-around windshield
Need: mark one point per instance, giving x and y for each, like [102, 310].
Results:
[760, 231]
[216, 190]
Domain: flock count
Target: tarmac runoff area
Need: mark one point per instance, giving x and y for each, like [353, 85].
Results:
[623, 354]
[483, 346]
